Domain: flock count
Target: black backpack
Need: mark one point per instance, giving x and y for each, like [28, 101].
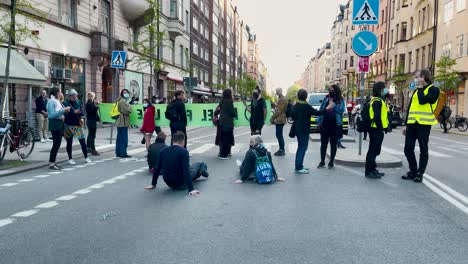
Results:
[289, 110]
[363, 122]
[171, 113]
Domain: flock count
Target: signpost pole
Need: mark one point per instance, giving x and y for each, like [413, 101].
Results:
[362, 107]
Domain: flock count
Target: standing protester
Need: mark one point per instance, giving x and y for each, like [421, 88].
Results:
[176, 114]
[149, 124]
[366, 102]
[92, 117]
[279, 119]
[174, 162]
[55, 114]
[122, 123]
[74, 126]
[331, 124]
[301, 114]
[444, 116]
[218, 128]
[419, 122]
[258, 112]
[41, 116]
[226, 124]
[378, 115]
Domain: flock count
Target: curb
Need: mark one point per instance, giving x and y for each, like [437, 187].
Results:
[361, 164]
[454, 132]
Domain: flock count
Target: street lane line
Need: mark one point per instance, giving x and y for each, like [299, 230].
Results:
[122, 177]
[136, 151]
[25, 213]
[193, 139]
[447, 189]
[96, 186]
[7, 221]
[83, 191]
[66, 198]
[79, 166]
[447, 197]
[27, 180]
[269, 146]
[129, 174]
[237, 148]
[292, 147]
[99, 161]
[42, 176]
[202, 149]
[108, 182]
[101, 147]
[68, 169]
[452, 150]
[432, 153]
[56, 172]
[9, 184]
[47, 205]
[246, 133]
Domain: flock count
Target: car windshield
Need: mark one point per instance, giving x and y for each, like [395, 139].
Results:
[316, 99]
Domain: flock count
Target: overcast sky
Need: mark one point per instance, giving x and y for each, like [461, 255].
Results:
[288, 33]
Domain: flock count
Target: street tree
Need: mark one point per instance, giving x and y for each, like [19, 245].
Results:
[292, 92]
[245, 85]
[150, 41]
[400, 80]
[14, 32]
[447, 77]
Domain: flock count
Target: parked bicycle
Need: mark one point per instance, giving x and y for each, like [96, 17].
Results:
[461, 123]
[22, 141]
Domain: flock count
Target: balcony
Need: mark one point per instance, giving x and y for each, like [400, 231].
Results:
[175, 28]
[99, 43]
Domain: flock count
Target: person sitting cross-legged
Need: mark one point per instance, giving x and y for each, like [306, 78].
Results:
[155, 149]
[248, 166]
[174, 162]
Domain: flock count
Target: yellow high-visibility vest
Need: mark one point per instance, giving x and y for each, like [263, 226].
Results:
[422, 114]
[383, 113]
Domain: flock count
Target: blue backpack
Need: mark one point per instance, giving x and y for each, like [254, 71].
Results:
[263, 169]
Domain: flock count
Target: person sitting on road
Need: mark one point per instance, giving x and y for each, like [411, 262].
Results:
[155, 150]
[177, 172]
[247, 168]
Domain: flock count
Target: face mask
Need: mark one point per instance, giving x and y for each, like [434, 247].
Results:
[385, 92]
[126, 96]
[255, 95]
[332, 93]
[417, 82]
[145, 105]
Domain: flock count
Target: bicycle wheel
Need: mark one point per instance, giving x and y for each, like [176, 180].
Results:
[463, 125]
[26, 144]
[448, 123]
[5, 146]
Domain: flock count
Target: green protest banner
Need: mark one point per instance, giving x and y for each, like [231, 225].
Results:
[198, 115]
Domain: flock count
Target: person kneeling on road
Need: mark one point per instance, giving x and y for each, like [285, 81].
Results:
[155, 149]
[248, 166]
[177, 172]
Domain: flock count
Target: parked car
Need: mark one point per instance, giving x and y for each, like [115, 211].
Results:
[396, 118]
[315, 100]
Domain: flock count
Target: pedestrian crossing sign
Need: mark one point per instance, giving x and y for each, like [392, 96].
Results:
[366, 12]
[118, 59]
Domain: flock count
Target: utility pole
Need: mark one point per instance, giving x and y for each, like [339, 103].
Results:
[158, 54]
[11, 42]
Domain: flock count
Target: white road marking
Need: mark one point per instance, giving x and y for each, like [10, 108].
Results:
[47, 205]
[66, 198]
[136, 151]
[139, 170]
[101, 147]
[292, 147]
[83, 191]
[447, 197]
[108, 182]
[25, 213]
[269, 146]
[432, 153]
[452, 150]
[27, 180]
[68, 169]
[202, 149]
[447, 189]
[42, 176]
[79, 166]
[9, 184]
[7, 221]
[129, 174]
[99, 161]
[392, 151]
[122, 177]
[238, 148]
[193, 139]
[56, 172]
[96, 186]
[246, 133]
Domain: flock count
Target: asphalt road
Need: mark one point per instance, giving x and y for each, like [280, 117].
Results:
[100, 213]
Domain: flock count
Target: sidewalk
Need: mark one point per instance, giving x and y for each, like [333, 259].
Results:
[40, 155]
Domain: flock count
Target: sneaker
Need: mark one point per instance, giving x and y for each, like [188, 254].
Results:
[418, 178]
[71, 162]
[223, 158]
[381, 174]
[341, 146]
[331, 165]
[88, 160]
[373, 175]
[408, 177]
[321, 165]
[54, 167]
[302, 171]
[280, 153]
[43, 140]
[94, 152]
[49, 140]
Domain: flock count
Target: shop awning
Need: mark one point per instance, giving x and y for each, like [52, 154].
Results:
[21, 71]
[173, 76]
[196, 91]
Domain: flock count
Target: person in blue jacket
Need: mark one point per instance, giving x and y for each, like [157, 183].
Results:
[331, 124]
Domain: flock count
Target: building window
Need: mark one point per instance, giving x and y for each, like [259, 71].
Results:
[393, 9]
[67, 12]
[195, 23]
[410, 60]
[351, 61]
[195, 48]
[391, 39]
[105, 17]
[187, 23]
[176, 9]
[461, 5]
[402, 65]
[397, 36]
[404, 29]
[429, 55]
[187, 62]
[423, 22]
[423, 58]
[446, 49]
[173, 48]
[460, 45]
[405, 3]
[448, 11]
[417, 60]
[411, 28]
[182, 56]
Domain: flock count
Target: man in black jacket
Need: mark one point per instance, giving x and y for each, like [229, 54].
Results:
[378, 115]
[180, 123]
[174, 162]
[41, 115]
[419, 122]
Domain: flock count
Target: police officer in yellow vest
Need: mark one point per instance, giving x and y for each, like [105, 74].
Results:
[419, 122]
[378, 114]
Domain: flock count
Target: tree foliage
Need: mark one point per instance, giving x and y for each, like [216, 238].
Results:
[245, 85]
[400, 79]
[292, 92]
[447, 77]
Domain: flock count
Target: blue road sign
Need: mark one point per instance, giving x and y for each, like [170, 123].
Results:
[118, 59]
[366, 12]
[365, 43]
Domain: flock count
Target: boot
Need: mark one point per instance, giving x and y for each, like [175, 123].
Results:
[94, 152]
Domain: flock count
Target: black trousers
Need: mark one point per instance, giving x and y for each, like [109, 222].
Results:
[90, 142]
[326, 137]
[84, 148]
[376, 138]
[226, 142]
[444, 123]
[57, 141]
[420, 133]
